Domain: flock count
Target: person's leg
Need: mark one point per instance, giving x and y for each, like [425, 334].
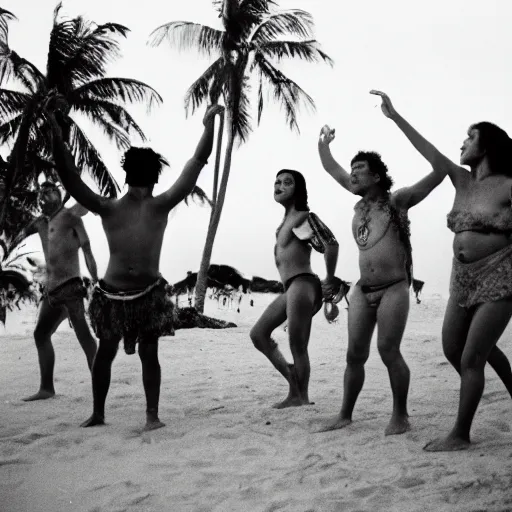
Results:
[76, 313]
[300, 302]
[151, 378]
[48, 321]
[101, 372]
[361, 324]
[260, 334]
[391, 320]
[487, 325]
[456, 323]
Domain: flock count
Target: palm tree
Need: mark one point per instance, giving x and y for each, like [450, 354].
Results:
[254, 36]
[15, 288]
[78, 54]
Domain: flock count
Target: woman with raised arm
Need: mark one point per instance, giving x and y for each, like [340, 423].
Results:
[480, 303]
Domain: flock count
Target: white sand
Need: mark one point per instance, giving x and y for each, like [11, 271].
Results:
[226, 449]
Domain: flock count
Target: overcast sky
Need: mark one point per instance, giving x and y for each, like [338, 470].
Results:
[445, 65]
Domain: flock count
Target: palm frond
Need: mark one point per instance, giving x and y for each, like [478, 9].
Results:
[119, 89]
[5, 17]
[8, 129]
[12, 103]
[94, 47]
[108, 112]
[306, 50]
[210, 81]
[295, 22]
[186, 35]
[238, 102]
[285, 90]
[87, 157]
[198, 195]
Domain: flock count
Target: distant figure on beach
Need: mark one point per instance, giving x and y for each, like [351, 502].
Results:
[380, 227]
[480, 303]
[62, 234]
[299, 231]
[132, 300]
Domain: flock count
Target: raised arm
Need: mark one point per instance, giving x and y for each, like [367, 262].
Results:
[440, 163]
[329, 163]
[70, 176]
[185, 183]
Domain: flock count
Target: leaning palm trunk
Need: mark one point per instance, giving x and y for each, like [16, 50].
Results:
[202, 276]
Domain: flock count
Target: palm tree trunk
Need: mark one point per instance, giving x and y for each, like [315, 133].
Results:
[217, 164]
[202, 276]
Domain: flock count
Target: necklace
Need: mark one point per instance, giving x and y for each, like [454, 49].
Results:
[363, 231]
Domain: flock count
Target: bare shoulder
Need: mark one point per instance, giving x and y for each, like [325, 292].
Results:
[399, 198]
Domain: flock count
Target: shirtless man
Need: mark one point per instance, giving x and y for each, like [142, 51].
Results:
[381, 296]
[299, 231]
[132, 300]
[62, 234]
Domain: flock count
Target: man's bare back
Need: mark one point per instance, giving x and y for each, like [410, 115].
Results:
[134, 247]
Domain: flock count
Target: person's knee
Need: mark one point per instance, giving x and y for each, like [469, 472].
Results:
[357, 357]
[260, 339]
[107, 350]
[41, 335]
[472, 361]
[389, 351]
[148, 351]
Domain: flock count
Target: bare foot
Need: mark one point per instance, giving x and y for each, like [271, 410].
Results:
[42, 394]
[338, 424]
[95, 419]
[153, 425]
[397, 425]
[447, 444]
[291, 401]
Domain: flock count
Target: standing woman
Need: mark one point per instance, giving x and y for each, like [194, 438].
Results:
[480, 303]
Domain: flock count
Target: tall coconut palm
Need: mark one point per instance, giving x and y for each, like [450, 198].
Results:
[255, 37]
[78, 54]
[15, 288]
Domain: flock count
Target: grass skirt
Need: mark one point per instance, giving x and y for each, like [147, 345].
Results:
[114, 315]
[485, 280]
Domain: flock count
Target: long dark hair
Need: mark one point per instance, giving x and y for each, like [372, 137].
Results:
[301, 191]
[497, 146]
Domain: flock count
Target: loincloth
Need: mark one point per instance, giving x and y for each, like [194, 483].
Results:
[315, 281]
[72, 289]
[374, 293]
[134, 315]
[486, 280]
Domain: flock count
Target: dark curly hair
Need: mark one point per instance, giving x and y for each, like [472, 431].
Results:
[143, 166]
[377, 166]
[301, 192]
[50, 184]
[497, 146]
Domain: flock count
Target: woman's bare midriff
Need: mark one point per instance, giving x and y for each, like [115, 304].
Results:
[470, 246]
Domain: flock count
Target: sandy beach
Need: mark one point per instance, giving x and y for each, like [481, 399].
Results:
[225, 449]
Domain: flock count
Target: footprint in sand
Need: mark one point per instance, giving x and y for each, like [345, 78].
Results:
[408, 482]
[364, 492]
[30, 438]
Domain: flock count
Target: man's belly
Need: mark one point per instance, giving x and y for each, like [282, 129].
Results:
[384, 262]
[61, 267]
